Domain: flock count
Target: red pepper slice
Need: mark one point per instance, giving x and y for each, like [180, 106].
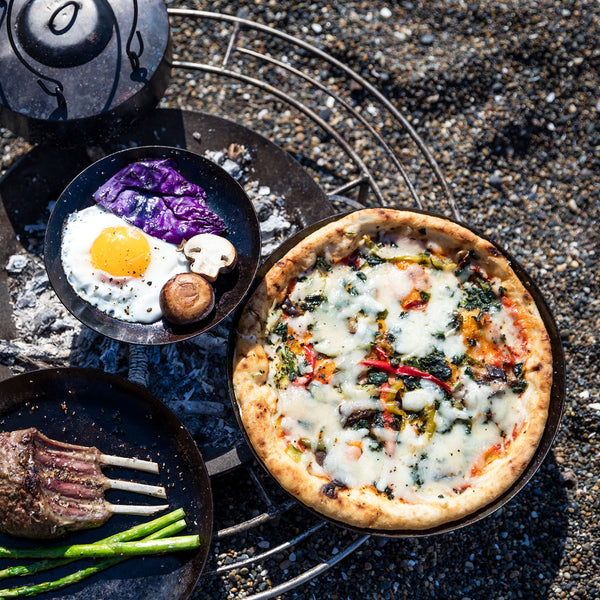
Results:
[311, 358]
[406, 370]
[384, 365]
[415, 305]
[379, 364]
[381, 353]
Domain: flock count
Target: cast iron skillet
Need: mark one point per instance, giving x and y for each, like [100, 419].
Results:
[92, 408]
[224, 197]
[556, 398]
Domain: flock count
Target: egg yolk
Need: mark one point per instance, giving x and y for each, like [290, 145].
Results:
[121, 252]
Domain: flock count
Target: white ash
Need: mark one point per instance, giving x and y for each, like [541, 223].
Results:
[275, 223]
[45, 329]
[16, 263]
[190, 376]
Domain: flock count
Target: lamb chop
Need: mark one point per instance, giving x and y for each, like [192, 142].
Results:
[48, 488]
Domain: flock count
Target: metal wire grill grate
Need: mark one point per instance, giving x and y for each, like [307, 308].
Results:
[304, 77]
[374, 157]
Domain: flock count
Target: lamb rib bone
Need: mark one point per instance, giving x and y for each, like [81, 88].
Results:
[133, 509]
[156, 491]
[129, 463]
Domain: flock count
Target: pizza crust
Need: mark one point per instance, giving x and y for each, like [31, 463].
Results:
[257, 401]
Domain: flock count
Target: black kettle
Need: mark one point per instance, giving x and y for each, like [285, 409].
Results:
[81, 71]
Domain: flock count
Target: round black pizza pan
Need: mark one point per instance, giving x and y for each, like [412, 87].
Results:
[92, 408]
[225, 196]
[557, 393]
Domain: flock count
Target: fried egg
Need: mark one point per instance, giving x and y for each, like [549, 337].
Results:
[116, 267]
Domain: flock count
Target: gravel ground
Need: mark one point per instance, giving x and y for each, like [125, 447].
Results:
[505, 95]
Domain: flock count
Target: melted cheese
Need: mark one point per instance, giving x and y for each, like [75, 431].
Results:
[441, 435]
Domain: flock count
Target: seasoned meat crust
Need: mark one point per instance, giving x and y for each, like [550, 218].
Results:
[21, 502]
[48, 488]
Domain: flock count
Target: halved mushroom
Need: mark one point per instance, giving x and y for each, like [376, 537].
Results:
[210, 255]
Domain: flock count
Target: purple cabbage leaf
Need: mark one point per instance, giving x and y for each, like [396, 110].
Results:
[153, 196]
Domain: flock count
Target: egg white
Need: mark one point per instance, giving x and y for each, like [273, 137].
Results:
[133, 299]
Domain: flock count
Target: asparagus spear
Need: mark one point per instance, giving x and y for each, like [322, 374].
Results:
[172, 544]
[47, 586]
[143, 530]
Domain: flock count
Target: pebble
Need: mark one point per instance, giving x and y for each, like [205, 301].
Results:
[569, 478]
[495, 180]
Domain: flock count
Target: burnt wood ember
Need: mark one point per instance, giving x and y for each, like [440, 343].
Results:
[48, 488]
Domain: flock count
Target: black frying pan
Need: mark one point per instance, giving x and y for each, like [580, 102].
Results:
[556, 399]
[92, 408]
[225, 196]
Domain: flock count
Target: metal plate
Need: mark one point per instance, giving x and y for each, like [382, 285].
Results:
[556, 398]
[224, 196]
[91, 408]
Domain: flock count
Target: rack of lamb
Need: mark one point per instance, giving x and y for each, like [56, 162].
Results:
[48, 488]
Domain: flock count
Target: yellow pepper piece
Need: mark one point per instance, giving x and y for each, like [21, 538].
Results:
[430, 430]
[293, 453]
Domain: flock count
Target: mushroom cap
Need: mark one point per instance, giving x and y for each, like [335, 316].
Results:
[210, 255]
[186, 298]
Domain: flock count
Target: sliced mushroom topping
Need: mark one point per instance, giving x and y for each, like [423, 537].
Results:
[210, 255]
[494, 373]
[352, 324]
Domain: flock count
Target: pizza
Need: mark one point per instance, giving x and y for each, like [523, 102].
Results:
[392, 372]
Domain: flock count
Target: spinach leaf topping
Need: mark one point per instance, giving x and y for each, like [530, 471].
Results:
[288, 363]
[311, 302]
[416, 475]
[377, 377]
[520, 385]
[322, 265]
[411, 382]
[455, 322]
[434, 363]
[351, 289]
[481, 295]
[281, 329]
[373, 259]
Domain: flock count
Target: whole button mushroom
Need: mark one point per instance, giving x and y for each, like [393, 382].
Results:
[210, 255]
[186, 298]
